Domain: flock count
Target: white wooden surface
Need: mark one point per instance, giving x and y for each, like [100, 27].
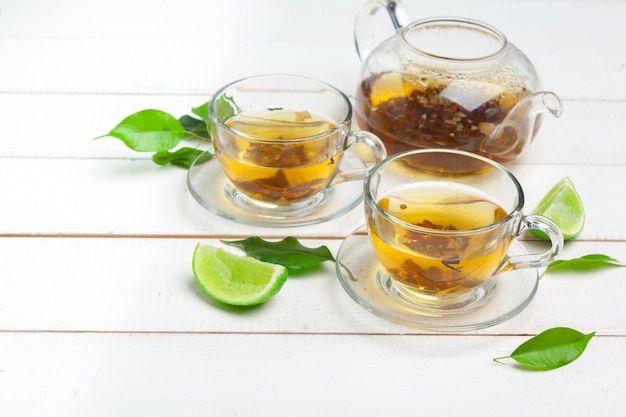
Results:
[99, 311]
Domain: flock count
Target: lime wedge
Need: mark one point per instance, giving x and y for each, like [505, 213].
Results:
[563, 205]
[236, 280]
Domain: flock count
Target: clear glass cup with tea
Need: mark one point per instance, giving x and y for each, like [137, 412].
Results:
[280, 140]
[441, 223]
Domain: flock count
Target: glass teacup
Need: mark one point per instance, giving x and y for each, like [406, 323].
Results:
[441, 223]
[280, 140]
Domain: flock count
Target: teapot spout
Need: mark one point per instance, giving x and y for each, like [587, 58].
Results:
[545, 101]
[510, 137]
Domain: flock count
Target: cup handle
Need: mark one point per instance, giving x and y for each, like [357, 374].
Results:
[364, 23]
[537, 260]
[371, 141]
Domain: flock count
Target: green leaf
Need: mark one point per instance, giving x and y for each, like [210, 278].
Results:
[551, 349]
[194, 128]
[288, 252]
[202, 112]
[584, 263]
[225, 107]
[148, 131]
[182, 157]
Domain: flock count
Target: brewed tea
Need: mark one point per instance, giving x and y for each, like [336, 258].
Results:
[423, 110]
[433, 258]
[285, 168]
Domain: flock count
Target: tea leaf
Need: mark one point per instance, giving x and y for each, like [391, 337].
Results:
[202, 112]
[288, 252]
[194, 128]
[225, 107]
[584, 263]
[148, 131]
[551, 349]
[182, 157]
[157, 131]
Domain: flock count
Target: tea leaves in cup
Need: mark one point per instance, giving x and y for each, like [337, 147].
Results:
[434, 262]
[264, 155]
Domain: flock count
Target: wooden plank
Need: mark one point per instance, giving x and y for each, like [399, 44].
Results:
[116, 197]
[308, 375]
[119, 197]
[137, 285]
[585, 133]
[140, 58]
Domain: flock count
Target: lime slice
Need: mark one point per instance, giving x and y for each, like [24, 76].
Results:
[236, 280]
[563, 205]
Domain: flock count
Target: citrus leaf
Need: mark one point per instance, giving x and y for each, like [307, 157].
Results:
[182, 157]
[148, 131]
[194, 128]
[288, 252]
[202, 112]
[551, 348]
[225, 107]
[584, 263]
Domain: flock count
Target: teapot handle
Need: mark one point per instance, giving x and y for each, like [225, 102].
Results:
[364, 23]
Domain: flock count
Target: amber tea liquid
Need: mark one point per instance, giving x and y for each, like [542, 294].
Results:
[437, 263]
[283, 169]
[423, 110]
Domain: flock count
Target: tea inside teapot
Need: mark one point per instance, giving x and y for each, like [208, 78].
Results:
[416, 109]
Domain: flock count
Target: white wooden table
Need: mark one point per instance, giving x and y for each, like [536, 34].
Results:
[99, 311]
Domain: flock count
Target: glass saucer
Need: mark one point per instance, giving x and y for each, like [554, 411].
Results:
[363, 278]
[211, 188]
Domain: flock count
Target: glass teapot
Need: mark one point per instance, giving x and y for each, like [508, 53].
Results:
[447, 82]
